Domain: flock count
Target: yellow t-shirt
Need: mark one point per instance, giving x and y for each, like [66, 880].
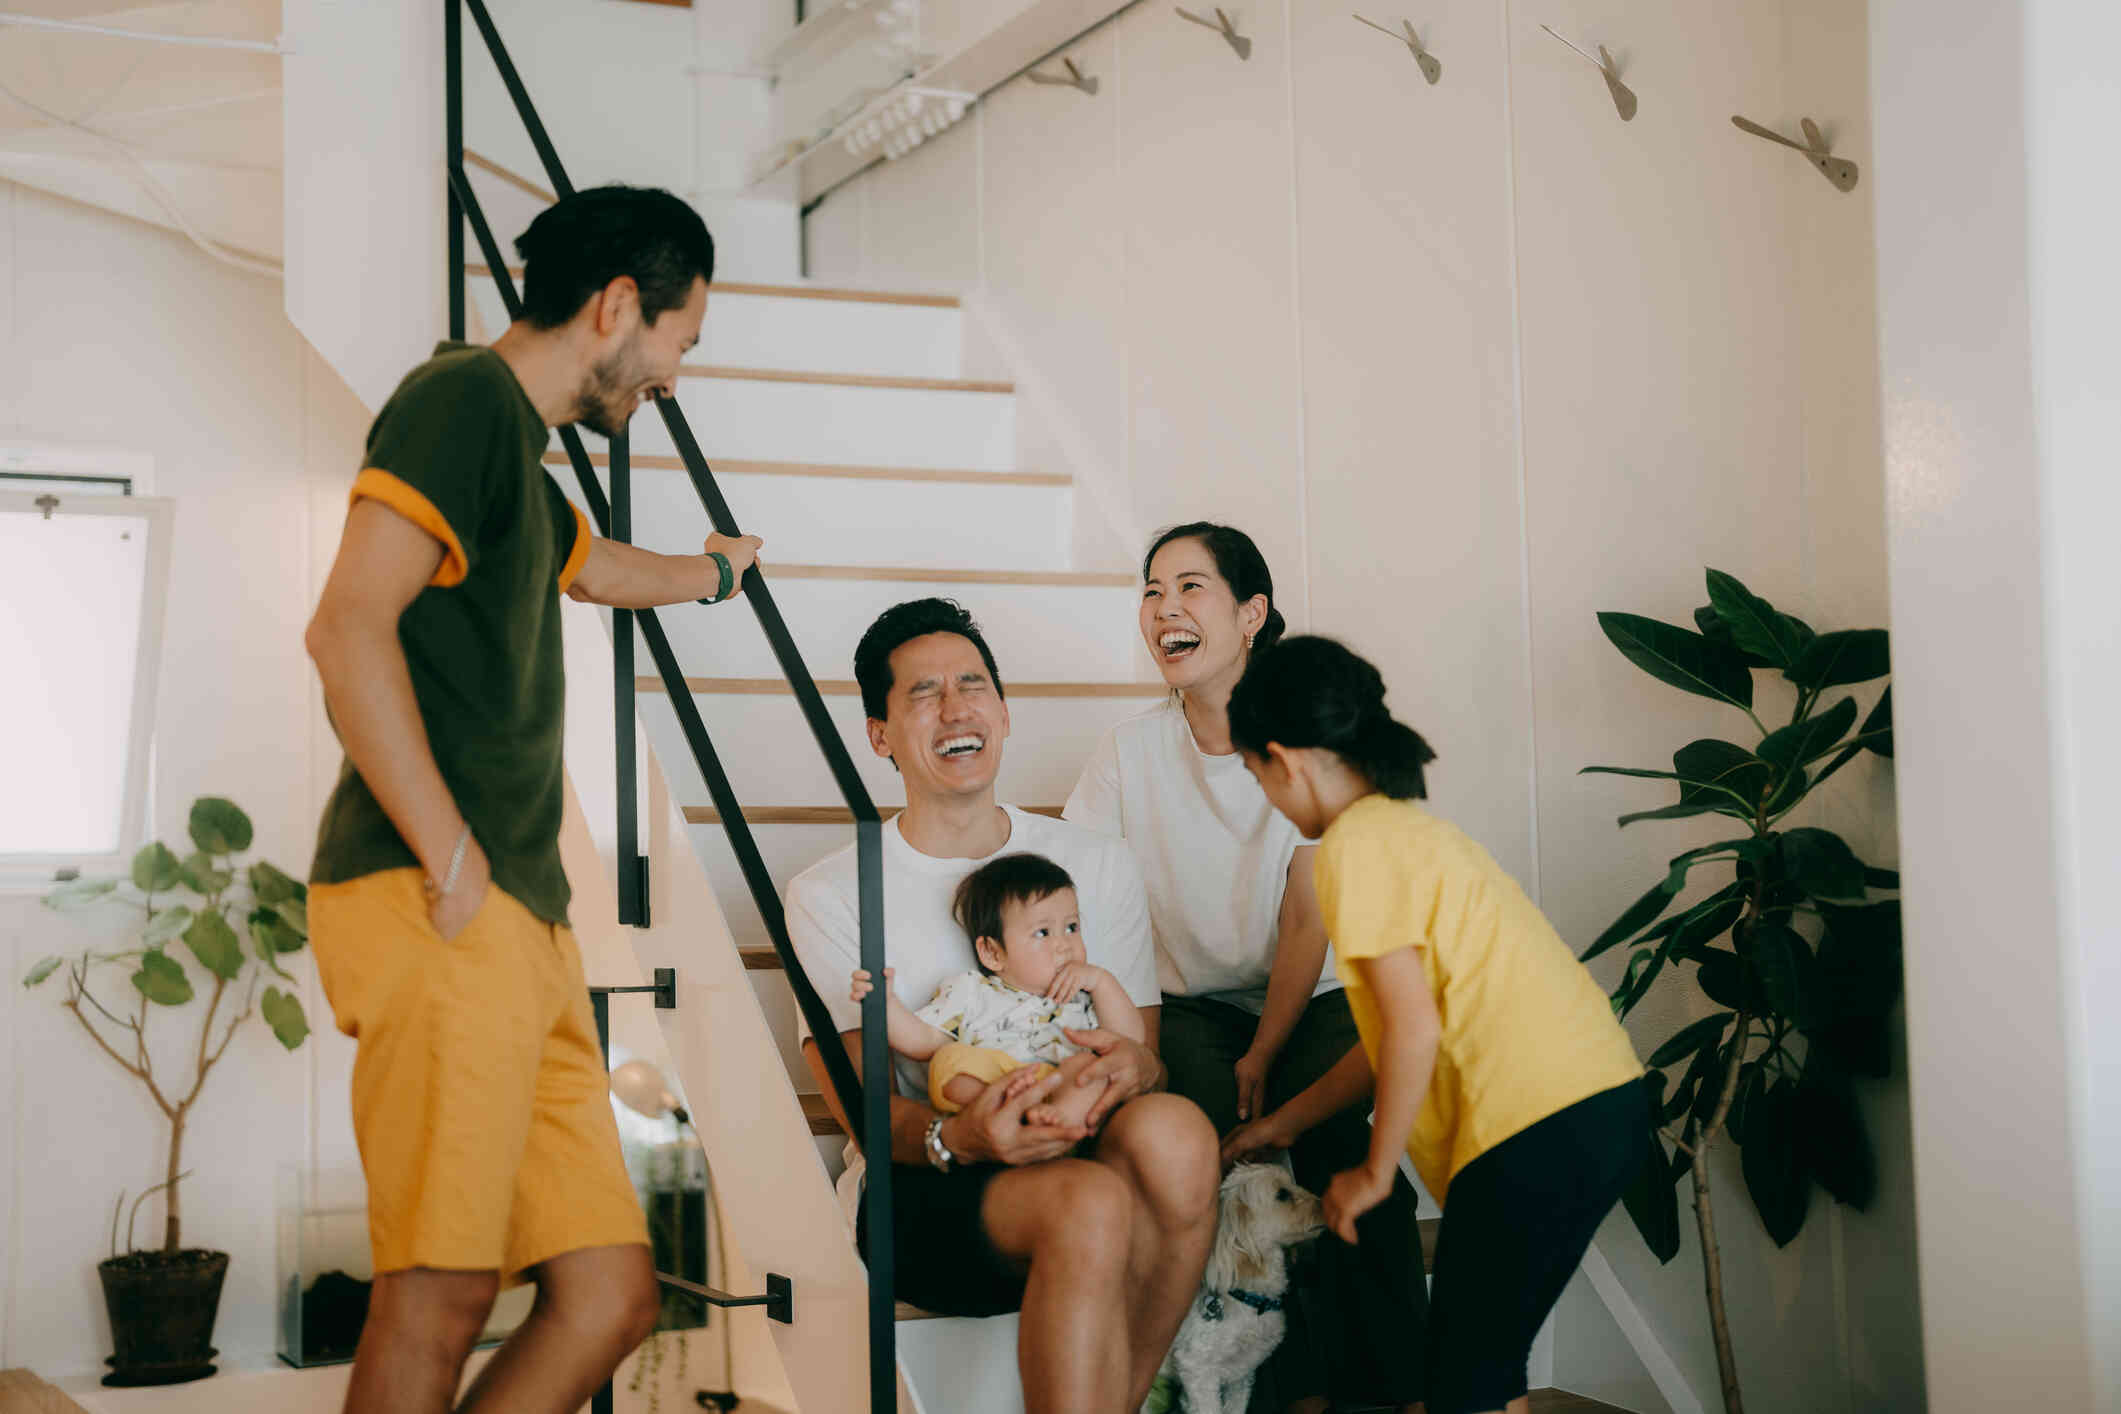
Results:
[1526, 1032]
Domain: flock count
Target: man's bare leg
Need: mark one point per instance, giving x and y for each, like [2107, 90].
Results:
[421, 1327]
[1072, 1221]
[594, 1306]
[1166, 1150]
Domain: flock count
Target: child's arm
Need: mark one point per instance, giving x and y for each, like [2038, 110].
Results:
[910, 1036]
[1116, 1011]
[1299, 958]
[1406, 1062]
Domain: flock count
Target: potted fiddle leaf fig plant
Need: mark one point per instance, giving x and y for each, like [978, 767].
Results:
[163, 1299]
[1797, 953]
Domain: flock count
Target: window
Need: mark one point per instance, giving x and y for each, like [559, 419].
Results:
[84, 570]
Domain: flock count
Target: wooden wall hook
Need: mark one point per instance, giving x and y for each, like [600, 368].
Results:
[1431, 69]
[1623, 96]
[1075, 78]
[1222, 24]
[1817, 151]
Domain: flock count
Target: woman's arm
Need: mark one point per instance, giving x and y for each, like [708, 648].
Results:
[1347, 1084]
[1299, 957]
[1406, 1062]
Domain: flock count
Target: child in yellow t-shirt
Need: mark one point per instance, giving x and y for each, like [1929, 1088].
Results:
[1498, 1065]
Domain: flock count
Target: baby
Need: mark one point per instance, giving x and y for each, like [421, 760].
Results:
[1020, 912]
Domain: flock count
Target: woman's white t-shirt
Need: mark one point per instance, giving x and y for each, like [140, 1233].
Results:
[1214, 853]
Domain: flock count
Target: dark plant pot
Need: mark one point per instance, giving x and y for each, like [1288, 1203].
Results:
[162, 1307]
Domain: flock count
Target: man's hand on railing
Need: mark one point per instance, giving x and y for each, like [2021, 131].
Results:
[742, 552]
[991, 1130]
[1125, 1067]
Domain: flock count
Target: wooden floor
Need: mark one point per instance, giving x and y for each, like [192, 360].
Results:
[23, 1393]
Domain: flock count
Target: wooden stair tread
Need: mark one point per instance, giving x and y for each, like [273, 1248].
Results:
[847, 687]
[823, 292]
[819, 1113]
[23, 1392]
[845, 380]
[817, 814]
[730, 467]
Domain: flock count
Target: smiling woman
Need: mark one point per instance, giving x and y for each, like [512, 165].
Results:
[1252, 1010]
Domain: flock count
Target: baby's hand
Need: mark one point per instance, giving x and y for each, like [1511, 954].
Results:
[1073, 977]
[863, 986]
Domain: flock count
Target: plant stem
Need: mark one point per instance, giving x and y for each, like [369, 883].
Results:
[1712, 1282]
[172, 1204]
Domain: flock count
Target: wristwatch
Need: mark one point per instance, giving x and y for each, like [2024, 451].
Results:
[938, 1152]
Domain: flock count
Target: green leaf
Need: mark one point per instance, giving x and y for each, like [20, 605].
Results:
[1649, 1197]
[272, 935]
[1639, 914]
[1690, 1038]
[295, 914]
[218, 826]
[1752, 1080]
[1838, 659]
[1716, 631]
[1787, 969]
[161, 980]
[1880, 720]
[1700, 1079]
[271, 886]
[1818, 862]
[214, 943]
[283, 1013]
[1684, 810]
[42, 970]
[169, 923]
[1833, 1142]
[198, 874]
[155, 869]
[1715, 766]
[1755, 625]
[79, 893]
[1685, 660]
[1859, 961]
[1863, 1046]
[1799, 742]
[1774, 1164]
[1720, 977]
[1707, 921]
[1881, 878]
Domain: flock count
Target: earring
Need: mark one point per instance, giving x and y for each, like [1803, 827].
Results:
[1248, 643]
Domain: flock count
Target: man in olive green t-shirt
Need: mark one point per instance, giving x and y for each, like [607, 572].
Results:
[438, 905]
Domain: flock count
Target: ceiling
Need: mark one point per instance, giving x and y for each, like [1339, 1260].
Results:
[184, 135]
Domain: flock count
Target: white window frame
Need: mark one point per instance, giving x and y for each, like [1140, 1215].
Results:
[38, 870]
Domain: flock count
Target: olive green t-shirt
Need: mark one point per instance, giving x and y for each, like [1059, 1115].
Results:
[458, 450]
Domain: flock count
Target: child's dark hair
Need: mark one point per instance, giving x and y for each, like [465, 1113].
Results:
[1240, 564]
[1312, 691]
[1013, 878]
[901, 624]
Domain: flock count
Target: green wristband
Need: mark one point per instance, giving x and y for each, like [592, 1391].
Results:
[721, 564]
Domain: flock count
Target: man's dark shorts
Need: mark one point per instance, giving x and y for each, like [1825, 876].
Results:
[946, 1262]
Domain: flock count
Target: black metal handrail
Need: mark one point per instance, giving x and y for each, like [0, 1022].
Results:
[872, 1103]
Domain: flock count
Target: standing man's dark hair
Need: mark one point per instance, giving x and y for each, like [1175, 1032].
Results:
[901, 624]
[583, 242]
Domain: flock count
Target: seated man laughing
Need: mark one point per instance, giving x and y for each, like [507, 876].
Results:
[1102, 1252]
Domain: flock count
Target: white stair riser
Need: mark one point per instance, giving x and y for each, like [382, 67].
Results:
[840, 425]
[1037, 632]
[825, 520]
[772, 759]
[830, 336]
[797, 335]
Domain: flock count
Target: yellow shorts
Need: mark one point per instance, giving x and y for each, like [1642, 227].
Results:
[480, 1098]
[982, 1064]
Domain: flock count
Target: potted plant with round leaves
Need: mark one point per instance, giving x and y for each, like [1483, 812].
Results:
[196, 913]
[1798, 956]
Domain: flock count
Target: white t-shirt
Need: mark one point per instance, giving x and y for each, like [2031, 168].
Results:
[924, 943]
[1213, 851]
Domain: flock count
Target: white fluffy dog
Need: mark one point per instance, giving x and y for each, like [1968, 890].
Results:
[1237, 1319]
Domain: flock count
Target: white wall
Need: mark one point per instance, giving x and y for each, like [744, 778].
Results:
[1472, 362]
[118, 333]
[2000, 376]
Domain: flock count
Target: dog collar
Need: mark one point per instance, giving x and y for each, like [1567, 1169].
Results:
[1212, 1308]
